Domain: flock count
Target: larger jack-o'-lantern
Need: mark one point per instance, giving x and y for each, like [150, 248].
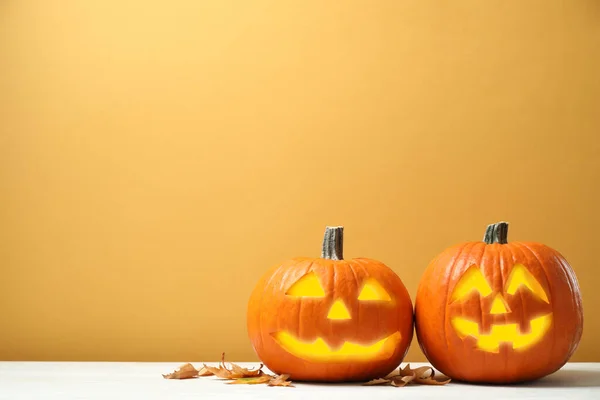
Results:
[330, 319]
[498, 312]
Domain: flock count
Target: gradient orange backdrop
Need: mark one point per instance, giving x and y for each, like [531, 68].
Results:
[157, 157]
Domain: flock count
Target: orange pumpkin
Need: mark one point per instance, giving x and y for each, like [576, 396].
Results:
[330, 319]
[498, 312]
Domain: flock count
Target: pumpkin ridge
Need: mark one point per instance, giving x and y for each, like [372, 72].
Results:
[573, 285]
[549, 291]
[514, 246]
[486, 248]
[262, 296]
[357, 283]
[524, 245]
[451, 273]
[298, 324]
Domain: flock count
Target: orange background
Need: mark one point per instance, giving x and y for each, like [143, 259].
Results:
[157, 157]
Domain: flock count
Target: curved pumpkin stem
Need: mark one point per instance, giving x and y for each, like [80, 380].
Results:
[333, 243]
[496, 233]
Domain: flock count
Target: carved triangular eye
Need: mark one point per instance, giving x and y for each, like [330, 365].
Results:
[307, 286]
[372, 290]
[472, 280]
[520, 276]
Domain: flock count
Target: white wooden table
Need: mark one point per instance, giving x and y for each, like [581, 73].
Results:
[111, 381]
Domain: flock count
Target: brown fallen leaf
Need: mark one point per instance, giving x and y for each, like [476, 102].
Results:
[400, 381]
[280, 380]
[377, 381]
[421, 375]
[239, 372]
[185, 371]
[204, 372]
[431, 381]
[424, 372]
[235, 372]
[219, 372]
[254, 380]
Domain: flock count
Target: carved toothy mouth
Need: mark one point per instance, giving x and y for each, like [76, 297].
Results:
[319, 350]
[505, 333]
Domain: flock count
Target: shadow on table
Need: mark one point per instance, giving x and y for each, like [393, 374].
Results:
[567, 378]
[561, 379]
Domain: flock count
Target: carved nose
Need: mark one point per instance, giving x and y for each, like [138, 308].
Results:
[499, 305]
[338, 311]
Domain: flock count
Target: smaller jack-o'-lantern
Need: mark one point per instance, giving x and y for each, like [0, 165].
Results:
[330, 319]
[498, 312]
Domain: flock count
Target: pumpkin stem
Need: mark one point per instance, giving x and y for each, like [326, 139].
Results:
[333, 243]
[496, 233]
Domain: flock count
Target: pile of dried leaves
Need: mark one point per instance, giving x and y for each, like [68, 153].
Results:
[235, 374]
[406, 375]
[238, 375]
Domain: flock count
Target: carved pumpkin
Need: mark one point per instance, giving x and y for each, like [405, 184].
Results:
[330, 319]
[498, 312]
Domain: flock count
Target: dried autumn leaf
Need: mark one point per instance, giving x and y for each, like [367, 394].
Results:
[204, 372]
[424, 372]
[239, 372]
[251, 380]
[422, 375]
[281, 380]
[406, 371]
[432, 381]
[400, 381]
[219, 372]
[234, 372]
[377, 381]
[185, 371]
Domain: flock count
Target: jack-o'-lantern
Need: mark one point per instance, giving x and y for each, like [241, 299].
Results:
[330, 319]
[498, 312]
